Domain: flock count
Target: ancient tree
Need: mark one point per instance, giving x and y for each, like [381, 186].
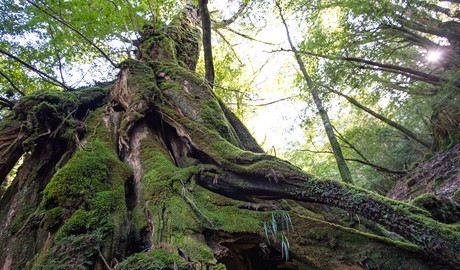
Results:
[153, 171]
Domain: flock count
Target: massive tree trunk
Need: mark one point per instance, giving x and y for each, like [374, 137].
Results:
[152, 171]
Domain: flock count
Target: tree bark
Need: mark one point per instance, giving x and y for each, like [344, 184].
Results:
[129, 174]
[207, 47]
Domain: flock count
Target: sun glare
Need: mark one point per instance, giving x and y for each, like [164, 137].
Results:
[433, 56]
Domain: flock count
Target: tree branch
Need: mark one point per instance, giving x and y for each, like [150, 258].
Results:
[7, 103]
[56, 52]
[395, 125]
[229, 45]
[71, 27]
[275, 101]
[227, 22]
[53, 80]
[248, 37]
[388, 67]
[12, 84]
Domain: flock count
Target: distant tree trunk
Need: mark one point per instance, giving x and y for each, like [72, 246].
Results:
[207, 47]
[152, 171]
[336, 149]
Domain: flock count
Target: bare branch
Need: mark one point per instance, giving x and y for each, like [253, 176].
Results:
[387, 67]
[395, 125]
[229, 45]
[273, 102]
[378, 168]
[53, 80]
[341, 164]
[227, 22]
[154, 18]
[56, 52]
[12, 84]
[7, 103]
[248, 37]
[366, 161]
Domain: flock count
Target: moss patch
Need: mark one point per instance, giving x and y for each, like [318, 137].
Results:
[442, 209]
[155, 260]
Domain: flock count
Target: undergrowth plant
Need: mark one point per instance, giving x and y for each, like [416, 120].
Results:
[278, 228]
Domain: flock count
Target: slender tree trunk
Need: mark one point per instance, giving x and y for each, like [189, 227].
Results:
[340, 160]
[207, 47]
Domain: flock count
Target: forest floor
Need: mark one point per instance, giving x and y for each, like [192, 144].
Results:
[439, 174]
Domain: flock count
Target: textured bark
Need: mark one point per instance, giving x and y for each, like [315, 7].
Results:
[10, 148]
[139, 185]
[207, 46]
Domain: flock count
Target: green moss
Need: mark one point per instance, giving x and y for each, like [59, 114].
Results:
[441, 208]
[21, 219]
[77, 252]
[457, 195]
[197, 248]
[89, 188]
[53, 218]
[85, 174]
[326, 245]
[157, 259]
[439, 182]
[225, 212]
[411, 182]
[428, 156]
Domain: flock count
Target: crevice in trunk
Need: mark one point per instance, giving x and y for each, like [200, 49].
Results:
[130, 194]
[245, 251]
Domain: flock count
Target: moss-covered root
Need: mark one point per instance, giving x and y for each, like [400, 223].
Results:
[440, 240]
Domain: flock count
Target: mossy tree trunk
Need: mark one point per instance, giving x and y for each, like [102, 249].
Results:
[152, 171]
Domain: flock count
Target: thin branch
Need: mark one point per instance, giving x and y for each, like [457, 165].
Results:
[218, 86]
[57, 53]
[248, 37]
[7, 103]
[273, 102]
[355, 160]
[413, 77]
[71, 27]
[229, 45]
[314, 151]
[154, 20]
[395, 125]
[227, 22]
[131, 15]
[388, 67]
[349, 144]
[341, 164]
[366, 161]
[375, 166]
[12, 84]
[41, 73]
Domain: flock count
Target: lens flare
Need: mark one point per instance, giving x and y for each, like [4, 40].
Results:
[433, 56]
